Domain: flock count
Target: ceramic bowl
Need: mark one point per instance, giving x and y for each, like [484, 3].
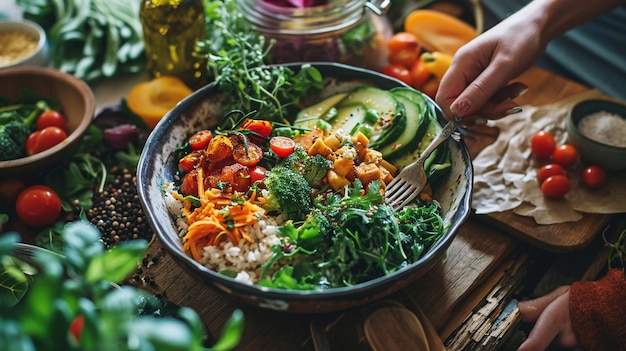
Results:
[203, 109]
[77, 104]
[602, 147]
[22, 29]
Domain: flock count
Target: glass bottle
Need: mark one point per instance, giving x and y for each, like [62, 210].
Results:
[353, 32]
[171, 30]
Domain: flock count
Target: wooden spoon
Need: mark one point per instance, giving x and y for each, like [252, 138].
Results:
[391, 326]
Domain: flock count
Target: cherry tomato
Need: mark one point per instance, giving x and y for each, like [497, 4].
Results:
[542, 144]
[404, 49]
[399, 72]
[38, 206]
[594, 176]
[200, 139]
[555, 186]
[257, 173]
[51, 118]
[76, 327]
[219, 149]
[44, 139]
[419, 74]
[566, 155]
[260, 127]
[549, 170]
[282, 146]
[247, 156]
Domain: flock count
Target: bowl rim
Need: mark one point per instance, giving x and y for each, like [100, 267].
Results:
[575, 121]
[172, 246]
[25, 25]
[76, 134]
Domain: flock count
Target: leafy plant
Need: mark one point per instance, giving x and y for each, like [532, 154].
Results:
[71, 300]
[237, 59]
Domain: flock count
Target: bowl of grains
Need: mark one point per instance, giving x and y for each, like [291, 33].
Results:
[22, 43]
[291, 216]
[597, 128]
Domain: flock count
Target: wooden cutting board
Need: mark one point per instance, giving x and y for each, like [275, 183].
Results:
[544, 88]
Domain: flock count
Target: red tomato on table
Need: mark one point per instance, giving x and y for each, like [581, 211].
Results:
[38, 206]
[594, 176]
[555, 186]
[566, 155]
[542, 144]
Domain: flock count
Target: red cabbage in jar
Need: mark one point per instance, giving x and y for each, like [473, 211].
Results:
[353, 32]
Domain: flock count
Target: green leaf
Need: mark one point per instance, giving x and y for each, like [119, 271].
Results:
[117, 263]
[232, 333]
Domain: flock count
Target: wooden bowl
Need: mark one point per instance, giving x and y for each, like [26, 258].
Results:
[204, 109]
[77, 104]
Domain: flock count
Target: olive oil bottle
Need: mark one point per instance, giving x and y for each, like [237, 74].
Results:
[171, 29]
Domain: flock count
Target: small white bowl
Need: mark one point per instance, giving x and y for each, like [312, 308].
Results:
[38, 56]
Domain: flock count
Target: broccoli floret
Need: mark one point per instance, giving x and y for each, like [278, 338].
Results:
[296, 159]
[314, 168]
[287, 191]
[14, 130]
[12, 138]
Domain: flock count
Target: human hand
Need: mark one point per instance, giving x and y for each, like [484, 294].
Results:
[551, 316]
[477, 83]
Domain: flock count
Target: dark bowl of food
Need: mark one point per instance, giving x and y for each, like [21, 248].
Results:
[310, 232]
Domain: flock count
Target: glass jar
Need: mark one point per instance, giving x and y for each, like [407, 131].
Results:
[353, 32]
[171, 30]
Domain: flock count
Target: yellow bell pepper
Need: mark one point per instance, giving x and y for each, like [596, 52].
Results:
[437, 63]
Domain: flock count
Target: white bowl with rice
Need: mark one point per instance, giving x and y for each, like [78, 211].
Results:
[22, 43]
[597, 128]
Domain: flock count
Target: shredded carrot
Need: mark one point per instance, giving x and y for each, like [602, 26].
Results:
[220, 216]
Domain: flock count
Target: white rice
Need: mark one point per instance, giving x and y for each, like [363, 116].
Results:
[246, 259]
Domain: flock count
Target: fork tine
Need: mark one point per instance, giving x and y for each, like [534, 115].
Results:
[401, 201]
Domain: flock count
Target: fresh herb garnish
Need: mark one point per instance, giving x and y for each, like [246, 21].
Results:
[351, 238]
[237, 59]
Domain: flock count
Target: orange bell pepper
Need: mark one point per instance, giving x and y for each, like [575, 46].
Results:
[151, 100]
[437, 31]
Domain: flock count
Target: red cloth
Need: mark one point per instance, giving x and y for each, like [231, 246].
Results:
[598, 312]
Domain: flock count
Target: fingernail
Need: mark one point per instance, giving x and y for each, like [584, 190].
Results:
[514, 110]
[460, 107]
[480, 121]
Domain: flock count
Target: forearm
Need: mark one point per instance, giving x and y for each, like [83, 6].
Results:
[555, 17]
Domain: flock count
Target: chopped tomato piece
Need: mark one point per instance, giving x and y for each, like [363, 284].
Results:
[257, 173]
[237, 175]
[189, 161]
[189, 185]
[248, 154]
[282, 146]
[260, 127]
[200, 139]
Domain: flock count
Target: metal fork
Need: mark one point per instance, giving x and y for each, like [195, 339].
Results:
[412, 179]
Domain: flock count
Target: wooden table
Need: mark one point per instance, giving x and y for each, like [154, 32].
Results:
[479, 259]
